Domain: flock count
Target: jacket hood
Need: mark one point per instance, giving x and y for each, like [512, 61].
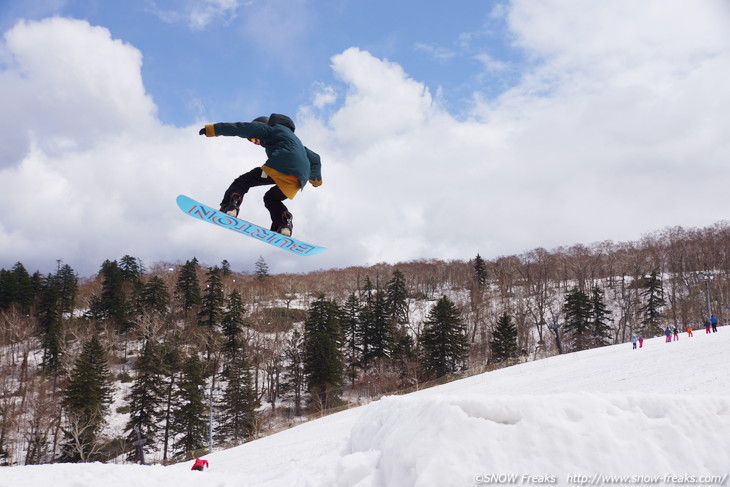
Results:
[277, 118]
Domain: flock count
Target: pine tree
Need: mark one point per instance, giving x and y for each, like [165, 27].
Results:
[504, 339]
[376, 329]
[654, 297]
[397, 313]
[226, 268]
[237, 420]
[51, 325]
[188, 416]
[131, 269]
[600, 313]
[351, 325]
[187, 289]
[213, 299]
[233, 323]
[155, 298]
[444, 342]
[262, 269]
[480, 272]
[396, 299]
[294, 369]
[67, 283]
[171, 363]
[323, 364]
[23, 292]
[145, 398]
[578, 315]
[86, 400]
[114, 304]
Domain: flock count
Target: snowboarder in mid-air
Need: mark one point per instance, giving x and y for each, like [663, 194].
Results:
[289, 166]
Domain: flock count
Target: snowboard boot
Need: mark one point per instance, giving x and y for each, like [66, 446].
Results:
[232, 206]
[287, 226]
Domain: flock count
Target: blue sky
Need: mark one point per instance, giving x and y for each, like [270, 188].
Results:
[220, 58]
[486, 127]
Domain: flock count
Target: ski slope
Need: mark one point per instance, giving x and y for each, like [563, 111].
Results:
[658, 415]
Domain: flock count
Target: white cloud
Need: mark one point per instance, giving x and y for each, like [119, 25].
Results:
[598, 140]
[198, 14]
[438, 53]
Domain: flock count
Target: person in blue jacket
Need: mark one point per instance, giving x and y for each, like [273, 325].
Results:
[668, 334]
[290, 165]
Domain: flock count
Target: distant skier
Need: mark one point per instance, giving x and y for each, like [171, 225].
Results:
[289, 166]
[689, 330]
[668, 334]
[200, 464]
[713, 322]
[675, 332]
[641, 340]
[707, 326]
[633, 340]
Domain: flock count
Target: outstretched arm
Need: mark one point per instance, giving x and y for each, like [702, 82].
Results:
[240, 129]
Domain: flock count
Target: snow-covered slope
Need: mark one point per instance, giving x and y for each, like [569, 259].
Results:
[658, 415]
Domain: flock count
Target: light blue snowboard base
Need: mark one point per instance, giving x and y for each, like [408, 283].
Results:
[208, 214]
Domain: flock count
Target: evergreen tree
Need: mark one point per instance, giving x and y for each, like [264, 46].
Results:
[323, 364]
[480, 272]
[396, 299]
[189, 421]
[578, 315]
[237, 420]
[397, 312]
[294, 368]
[113, 304]
[16, 288]
[131, 269]
[654, 297]
[23, 292]
[67, 283]
[444, 342]
[6, 289]
[601, 330]
[350, 324]
[187, 289]
[51, 325]
[145, 398]
[213, 299]
[376, 329]
[262, 269]
[504, 339]
[155, 298]
[86, 400]
[226, 268]
[233, 323]
[171, 363]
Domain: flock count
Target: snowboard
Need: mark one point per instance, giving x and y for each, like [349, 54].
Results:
[208, 214]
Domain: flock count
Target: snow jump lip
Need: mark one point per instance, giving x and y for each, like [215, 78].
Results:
[208, 214]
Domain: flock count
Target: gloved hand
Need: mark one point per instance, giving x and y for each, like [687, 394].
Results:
[202, 131]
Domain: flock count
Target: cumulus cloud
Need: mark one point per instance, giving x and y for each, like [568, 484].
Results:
[616, 127]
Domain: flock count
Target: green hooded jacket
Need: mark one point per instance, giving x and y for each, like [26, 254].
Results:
[289, 163]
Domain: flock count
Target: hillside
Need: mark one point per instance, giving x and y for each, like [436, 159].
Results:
[657, 415]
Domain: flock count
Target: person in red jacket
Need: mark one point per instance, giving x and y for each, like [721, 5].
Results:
[200, 464]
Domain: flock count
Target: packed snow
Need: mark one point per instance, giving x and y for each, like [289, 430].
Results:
[657, 415]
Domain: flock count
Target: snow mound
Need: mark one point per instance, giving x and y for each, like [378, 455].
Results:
[458, 440]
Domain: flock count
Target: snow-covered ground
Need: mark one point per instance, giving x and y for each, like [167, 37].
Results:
[658, 415]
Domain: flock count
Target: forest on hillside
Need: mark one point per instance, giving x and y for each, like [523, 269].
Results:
[143, 360]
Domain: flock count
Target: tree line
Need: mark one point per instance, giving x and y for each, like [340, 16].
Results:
[196, 353]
